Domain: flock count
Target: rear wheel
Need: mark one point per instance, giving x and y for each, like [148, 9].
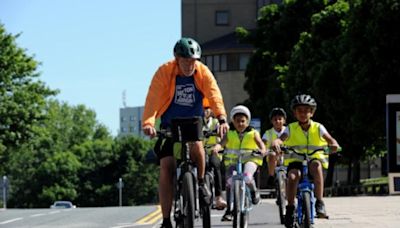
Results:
[306, 220]
[188, 200]
[281, 194]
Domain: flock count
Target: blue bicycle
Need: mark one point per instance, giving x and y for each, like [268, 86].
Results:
[240, 193]
[305, 210]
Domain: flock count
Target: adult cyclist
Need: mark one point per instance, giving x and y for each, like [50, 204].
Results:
[177, 90]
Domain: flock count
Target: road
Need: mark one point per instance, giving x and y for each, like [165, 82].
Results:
[344, 212]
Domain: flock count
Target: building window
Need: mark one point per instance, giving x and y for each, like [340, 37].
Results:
[216, 63]
[223, 63]
[243, 60]
[209, 61]
[123, 118]
[222, 18]
[132, 118]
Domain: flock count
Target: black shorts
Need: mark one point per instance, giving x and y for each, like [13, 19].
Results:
[299, 166]
[164, 147]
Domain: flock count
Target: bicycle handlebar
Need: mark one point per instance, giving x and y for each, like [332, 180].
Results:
[325, 149]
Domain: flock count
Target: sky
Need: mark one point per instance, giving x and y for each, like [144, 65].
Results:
[94, 50]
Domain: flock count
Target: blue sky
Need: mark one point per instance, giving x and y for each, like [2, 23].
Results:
[93, 50]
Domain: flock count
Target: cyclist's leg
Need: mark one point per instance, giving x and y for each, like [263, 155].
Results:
[166, 179]
[249, 169]
[216, 164]
[272, 160]
[197, 153]
[318, 178]
[294, 175]
[229, 168]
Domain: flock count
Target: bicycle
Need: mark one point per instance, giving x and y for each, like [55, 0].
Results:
[305, 210]
[240, 193]
[280, 188]
[187, 206]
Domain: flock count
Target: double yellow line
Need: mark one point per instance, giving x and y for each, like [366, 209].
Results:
[151, 218]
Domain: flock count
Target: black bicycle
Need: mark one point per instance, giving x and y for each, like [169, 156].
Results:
[187, 206]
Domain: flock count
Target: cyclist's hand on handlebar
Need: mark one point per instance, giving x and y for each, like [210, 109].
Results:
[216, 148]
[334, 148]
[276, 145]
[149, 131]
[223, 129]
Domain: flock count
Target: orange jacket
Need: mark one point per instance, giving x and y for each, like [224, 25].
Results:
[162, 90]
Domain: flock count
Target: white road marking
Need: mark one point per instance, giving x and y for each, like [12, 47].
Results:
[10, 221]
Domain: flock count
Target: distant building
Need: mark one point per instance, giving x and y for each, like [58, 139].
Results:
[130, 121]
[212, 23]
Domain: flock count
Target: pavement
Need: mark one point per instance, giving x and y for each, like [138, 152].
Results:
[361, 211]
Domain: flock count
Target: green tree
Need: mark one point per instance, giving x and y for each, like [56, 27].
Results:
[22, 96]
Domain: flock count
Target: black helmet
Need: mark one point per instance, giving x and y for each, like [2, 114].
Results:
[277, 112]
[187, 48]
[303, 99]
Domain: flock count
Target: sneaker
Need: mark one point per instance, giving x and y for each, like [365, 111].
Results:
[289, 217]
[255, 197]
[271, 182]
[320, 209]
[166, 224]
[220, 203]
[205, 194]
[227, 217]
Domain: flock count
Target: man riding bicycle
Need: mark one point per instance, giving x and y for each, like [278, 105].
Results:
[177, 90]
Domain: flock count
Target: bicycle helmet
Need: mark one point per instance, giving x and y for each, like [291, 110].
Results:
[187, 48]
[303, 99]
[277, 112]
[242, 110]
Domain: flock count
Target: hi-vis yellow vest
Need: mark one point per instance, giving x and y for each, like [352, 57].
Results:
[234, 145]
[271, 136]
[212, 140]
[306, 143]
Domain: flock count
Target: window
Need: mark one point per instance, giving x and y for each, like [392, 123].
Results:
[209, 61]
[222, 18]
[123, 118]
[216, 63]
[243, 60]
[223, 63]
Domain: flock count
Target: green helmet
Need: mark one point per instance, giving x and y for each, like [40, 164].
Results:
[187, 48]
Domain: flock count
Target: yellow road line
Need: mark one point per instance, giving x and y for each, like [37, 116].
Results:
[152, 217]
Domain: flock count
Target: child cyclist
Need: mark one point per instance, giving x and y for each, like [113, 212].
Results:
[277, 116]
[241, 136]
[211, 124]
[305, 135]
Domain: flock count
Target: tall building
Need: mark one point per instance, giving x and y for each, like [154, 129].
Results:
[212, 23]
[130, 121]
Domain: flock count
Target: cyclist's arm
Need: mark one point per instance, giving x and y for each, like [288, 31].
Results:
[219, 146]
[332, 143]
[260, 143]
[276, 144]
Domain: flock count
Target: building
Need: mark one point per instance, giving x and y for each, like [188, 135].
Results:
[212, 23]
[130, 121]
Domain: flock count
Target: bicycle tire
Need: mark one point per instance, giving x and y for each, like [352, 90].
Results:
[306, 219]
[188, 200]
[236, 204]
[281, 194]
[244, 215]
[206, 209]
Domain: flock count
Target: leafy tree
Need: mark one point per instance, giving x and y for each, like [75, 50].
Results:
[22, 96]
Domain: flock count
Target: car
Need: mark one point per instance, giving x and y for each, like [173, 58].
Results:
[62, 204]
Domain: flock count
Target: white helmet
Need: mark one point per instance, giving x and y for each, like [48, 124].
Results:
[241, 109]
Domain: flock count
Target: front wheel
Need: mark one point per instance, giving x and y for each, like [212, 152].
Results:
[236, 204]
[281, 194]
[205, 209]
[306, 220]
[188, 200]
[244, 215]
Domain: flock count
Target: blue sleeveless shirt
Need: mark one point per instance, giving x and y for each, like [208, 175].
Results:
[187, 101]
